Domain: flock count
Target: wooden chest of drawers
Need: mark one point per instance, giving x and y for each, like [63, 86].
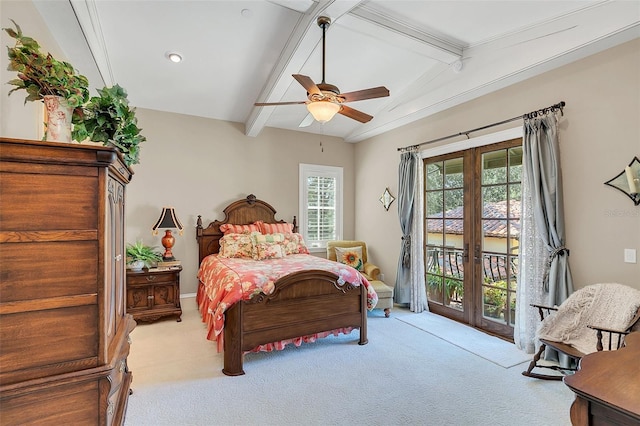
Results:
[64, 333]
[153, 294]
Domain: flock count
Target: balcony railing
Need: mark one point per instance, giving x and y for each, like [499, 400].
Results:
[449, 262]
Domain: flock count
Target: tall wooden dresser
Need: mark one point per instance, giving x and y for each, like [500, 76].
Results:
[64, 333]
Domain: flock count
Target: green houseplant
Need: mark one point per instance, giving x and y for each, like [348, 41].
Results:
[107, 118]
[41, 75]
[141, 254]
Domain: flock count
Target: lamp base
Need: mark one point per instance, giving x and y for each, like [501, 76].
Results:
[167, 242]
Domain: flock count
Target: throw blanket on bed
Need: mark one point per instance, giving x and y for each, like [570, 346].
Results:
[229, 280]
[605, 305]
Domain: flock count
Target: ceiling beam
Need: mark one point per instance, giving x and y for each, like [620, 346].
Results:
[409, 37]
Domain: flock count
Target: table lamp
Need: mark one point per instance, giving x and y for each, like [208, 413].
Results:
[167, 221]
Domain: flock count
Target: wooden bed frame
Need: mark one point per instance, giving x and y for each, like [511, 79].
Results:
[302, 303]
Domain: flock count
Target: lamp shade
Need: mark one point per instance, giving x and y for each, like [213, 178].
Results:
[167, 220]
[323, 111]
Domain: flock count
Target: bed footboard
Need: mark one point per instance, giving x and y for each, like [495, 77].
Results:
[302, 303]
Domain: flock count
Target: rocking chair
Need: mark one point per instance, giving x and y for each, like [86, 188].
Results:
[575, 342]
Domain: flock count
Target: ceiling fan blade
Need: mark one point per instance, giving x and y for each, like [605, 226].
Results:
[360, 95]
[279, 103]
[355, 114]
[308, 84]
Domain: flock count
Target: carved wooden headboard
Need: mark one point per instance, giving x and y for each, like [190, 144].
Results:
[241, 212]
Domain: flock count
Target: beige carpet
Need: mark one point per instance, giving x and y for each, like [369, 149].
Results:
[403, 376]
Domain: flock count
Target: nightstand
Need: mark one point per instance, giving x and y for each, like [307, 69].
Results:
[154, 294]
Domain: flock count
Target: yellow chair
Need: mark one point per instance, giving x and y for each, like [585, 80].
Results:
[369, 271]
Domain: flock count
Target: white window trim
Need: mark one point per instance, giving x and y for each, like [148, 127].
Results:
[324, 171]
[491, 138]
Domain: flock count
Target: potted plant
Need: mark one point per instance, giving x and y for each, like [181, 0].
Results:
[45, 78]
[107, 118]
[140, 255]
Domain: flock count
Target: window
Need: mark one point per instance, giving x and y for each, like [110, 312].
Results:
[320, 205]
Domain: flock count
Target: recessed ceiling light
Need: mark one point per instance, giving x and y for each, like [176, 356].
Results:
[174, 57]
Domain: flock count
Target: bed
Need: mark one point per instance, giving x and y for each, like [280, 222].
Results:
[304, 305]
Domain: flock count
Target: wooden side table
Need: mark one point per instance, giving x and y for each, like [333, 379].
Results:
[607, 387]
[153, 294]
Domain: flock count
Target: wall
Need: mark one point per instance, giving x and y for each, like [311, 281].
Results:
[599, 135]
[17, 119]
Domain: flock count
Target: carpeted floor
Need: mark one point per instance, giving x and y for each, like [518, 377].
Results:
[405, 375]
[491, 348]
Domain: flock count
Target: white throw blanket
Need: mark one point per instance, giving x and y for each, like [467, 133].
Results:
[606, 305]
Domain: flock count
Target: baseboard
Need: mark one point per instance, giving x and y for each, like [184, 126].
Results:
[187, 295]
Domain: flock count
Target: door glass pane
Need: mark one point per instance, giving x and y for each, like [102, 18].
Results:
[435, 204]
[494, 167]
[454, 293]
[433, 176]
[454, 203]
[515, 194]
[515, 164]
[494, 299]
[434, 288]
[514, 236]
[454, 233]
[434, 232]
[494, 202]
[453, 173]
[494, 236]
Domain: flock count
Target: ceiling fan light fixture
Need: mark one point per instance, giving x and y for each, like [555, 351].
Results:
[323, 111]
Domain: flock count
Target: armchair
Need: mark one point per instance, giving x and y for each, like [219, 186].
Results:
[370, 271]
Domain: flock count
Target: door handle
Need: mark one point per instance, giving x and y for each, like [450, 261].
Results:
[465, 253]
[476, 253]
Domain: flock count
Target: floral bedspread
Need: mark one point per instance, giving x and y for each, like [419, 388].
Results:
[229, 280]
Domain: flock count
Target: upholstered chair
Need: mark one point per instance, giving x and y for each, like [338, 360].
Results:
[370, 271]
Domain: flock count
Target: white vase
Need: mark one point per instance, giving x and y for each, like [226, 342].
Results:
[136, 265]
[58, 119]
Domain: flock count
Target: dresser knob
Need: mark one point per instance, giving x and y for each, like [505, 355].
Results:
[151, 277]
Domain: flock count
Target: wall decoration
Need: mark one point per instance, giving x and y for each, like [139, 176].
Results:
[386, 199]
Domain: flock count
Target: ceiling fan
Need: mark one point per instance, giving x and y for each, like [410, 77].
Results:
[324, 99]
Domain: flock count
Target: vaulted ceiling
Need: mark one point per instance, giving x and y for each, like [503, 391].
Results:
[431, 55]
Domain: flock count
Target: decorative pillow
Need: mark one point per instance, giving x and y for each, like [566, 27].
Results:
[273, 228]
[229, 228]
[351, 256]
[236, 245]
[270, 238]
[268, 251]
[294, 244]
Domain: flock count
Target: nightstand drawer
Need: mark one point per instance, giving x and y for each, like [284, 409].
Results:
[134, 278]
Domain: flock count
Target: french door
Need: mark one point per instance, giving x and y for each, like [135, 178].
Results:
[472, 231]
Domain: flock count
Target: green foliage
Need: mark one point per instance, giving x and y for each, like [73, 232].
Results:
[41, 74]
[107, 118]
[139, 251]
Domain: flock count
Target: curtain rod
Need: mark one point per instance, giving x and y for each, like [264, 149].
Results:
[529, 115]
